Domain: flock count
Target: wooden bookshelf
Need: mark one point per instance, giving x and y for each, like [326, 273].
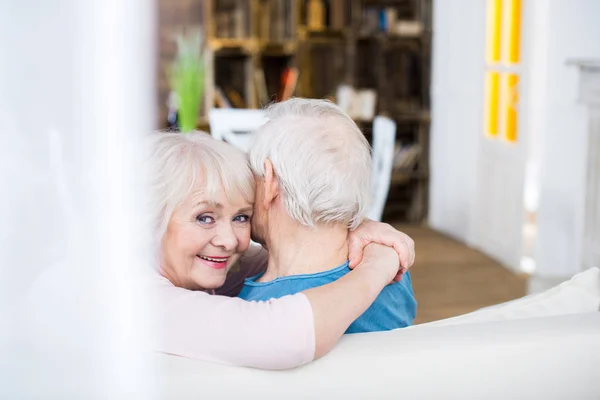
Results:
[384, 45]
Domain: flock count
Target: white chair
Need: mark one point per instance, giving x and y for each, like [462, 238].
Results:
[235, 126]
[384, 139]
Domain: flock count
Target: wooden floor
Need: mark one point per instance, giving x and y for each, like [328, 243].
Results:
[450, 279]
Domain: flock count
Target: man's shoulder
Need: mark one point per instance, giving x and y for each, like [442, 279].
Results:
[293, 284]
[402, 288]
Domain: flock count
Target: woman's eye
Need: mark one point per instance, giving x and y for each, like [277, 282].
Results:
[242, 218]
[205, 219]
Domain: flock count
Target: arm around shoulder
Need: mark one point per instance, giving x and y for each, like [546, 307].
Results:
[277, 334]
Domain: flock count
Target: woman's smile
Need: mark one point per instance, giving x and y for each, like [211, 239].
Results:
[214, 262]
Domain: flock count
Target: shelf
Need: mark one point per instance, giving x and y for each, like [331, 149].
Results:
[303, 31]
[283, 48]
[400, 177]
[245, 45]
[385, 2]
[422, 116]
[384, 36]
[324, 39]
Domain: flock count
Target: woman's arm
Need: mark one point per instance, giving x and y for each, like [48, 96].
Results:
[336, 305]
[276, 334]
[254, 260]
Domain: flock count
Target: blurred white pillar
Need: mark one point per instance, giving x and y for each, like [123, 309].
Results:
[76, 91]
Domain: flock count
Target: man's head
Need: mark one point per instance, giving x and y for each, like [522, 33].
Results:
[311, 163]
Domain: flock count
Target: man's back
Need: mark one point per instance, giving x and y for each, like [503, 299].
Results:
[395, 307]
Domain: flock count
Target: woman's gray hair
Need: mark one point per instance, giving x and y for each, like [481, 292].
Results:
[178, 161]
[321, 159]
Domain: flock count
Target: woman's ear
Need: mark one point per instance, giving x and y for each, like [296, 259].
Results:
[271, 184]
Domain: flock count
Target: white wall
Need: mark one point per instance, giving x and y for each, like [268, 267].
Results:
[457, 112]
[554, 124]
[562, 30]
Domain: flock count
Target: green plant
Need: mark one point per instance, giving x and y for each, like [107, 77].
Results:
[186, 77]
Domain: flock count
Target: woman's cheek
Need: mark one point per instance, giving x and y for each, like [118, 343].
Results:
[244, 239]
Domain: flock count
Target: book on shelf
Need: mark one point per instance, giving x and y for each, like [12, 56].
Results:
[261, 86]
[264, 21]
[370, 21]
[408, 28]
[358, 104]
[238, 23]
[390, 16]
[289, 80]
[275, 20]
[221, 100]
[228, 98]
[387, 20]
[337, 14]
[344, 97]
[231, 20]
[235, 98]
[315, 15]
[284, 29]
[406, 157]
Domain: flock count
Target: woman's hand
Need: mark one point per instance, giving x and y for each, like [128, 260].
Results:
[383, 259]
[377, 232]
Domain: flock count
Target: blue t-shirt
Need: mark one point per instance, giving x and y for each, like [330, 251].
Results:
[395, 307]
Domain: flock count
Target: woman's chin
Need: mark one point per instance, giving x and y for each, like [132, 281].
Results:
[212, 284]
[212, 287]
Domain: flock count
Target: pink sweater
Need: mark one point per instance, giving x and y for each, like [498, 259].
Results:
[275, 334]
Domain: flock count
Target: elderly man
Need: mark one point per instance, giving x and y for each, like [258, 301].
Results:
[312, 166]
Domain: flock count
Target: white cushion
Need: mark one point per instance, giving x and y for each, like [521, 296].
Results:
[580, 294]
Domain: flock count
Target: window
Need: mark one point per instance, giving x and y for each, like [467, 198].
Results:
[503, 50]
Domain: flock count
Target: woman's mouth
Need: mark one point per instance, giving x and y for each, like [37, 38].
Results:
[214, 262]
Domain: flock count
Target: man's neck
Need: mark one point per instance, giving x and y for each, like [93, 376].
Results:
[298, 249]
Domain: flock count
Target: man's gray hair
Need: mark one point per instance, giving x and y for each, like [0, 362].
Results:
[321, 160]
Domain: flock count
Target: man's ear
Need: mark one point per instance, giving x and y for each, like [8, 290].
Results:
[271, 184]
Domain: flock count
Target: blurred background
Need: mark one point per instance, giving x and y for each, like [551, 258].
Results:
[492, 161]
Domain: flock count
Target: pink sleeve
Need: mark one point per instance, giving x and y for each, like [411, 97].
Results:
[276, 334]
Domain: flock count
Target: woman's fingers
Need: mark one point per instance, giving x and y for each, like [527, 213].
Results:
[355, 250]
[381, 233]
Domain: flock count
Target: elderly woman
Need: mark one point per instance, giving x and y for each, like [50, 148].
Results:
[202, 204]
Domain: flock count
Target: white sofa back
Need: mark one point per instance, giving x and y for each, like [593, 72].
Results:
[536, 358]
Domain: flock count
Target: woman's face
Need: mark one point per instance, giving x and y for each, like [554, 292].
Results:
[204, 238]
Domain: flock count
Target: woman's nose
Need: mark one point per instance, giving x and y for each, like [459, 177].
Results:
[225, 237]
